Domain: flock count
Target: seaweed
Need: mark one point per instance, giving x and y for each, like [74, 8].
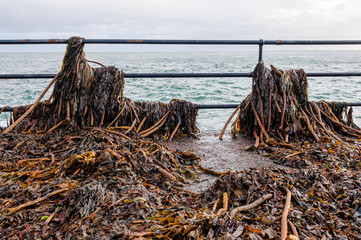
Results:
[77, 184]
[98, 184]
[278, 112]
[84, 96]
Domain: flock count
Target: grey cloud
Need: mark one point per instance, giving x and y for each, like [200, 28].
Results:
[202, 19]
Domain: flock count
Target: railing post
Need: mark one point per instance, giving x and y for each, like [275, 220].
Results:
[260, 44]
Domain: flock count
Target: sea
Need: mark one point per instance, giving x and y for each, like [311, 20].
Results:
[15, 92]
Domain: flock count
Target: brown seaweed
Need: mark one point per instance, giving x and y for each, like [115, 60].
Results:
[278, 112]
[84, 96]
[97, 184]
[51, 185]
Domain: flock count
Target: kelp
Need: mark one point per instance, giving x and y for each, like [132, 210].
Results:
[52, 185]
[84, 96]
[98, 184]
[322, 206]
[278, 111]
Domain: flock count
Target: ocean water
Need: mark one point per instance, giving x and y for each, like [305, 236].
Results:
[14, 92]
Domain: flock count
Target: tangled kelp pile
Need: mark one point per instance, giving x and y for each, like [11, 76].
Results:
[278, 112]
[54, 186]
[97, 184]
[322, 206]
[84, 96]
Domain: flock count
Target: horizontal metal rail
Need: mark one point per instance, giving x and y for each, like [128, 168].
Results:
[200, 106]
[259, 42]
[205, 106]
[213, 106]
[8, 109]
[133, 41]
[312, 42]
[187, 42]
[182, 75]
[138, 75]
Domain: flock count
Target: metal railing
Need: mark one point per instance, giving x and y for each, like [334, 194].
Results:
[259, 42]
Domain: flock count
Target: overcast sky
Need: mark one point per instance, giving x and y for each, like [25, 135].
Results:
[182, 19]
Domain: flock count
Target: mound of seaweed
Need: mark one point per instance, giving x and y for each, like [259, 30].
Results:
[278, 112]
[84, 96]
[98, 184]
[89, 183]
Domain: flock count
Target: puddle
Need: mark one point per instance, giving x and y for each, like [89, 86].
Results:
[220, 155]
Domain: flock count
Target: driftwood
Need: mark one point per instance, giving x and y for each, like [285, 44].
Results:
[278, 112]
[84, 96]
